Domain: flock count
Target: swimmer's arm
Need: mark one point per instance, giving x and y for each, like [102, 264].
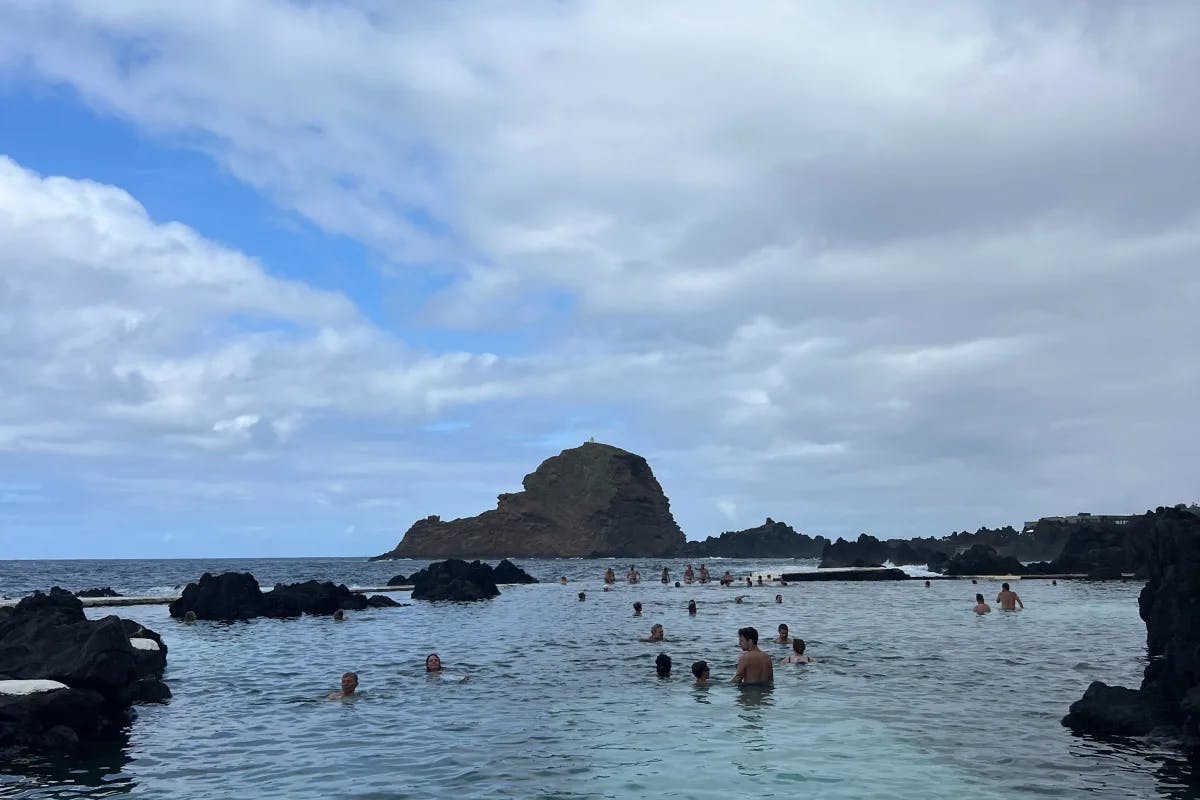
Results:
[1018, 598]
[741, 671]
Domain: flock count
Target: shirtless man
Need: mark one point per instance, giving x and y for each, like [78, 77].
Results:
[754, 667]
[783, 635]
[980, 606]
[633, 576]
[656, 634]
[349, 686]
[610, 577]
[1008, 599]
[727, 578]
[700, 673]
[689, 574]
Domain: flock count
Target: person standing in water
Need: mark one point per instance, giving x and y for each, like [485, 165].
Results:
[798, 655]
[704, 577]
[1008, 599]
[700, 673]
[689, 574]
[610, 577]
[666, 576]
[633, 576]
[754, 667]
[980, 606]
[783, 635]
[692, 607]
[637, 608]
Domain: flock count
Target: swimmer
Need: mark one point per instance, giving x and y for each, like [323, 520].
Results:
[563, 580]
[610, 576]
[754, 667]
[1054, 582]
[704, 577]
[656, 634]
[700, 673]
[189, 617]
[349, 686]
[662, 665]
[689, 574]
[926, 584]
[980, 606]
[1008, 599]
[783, 635]
[778, 599]
[633, 576]
[692, 607]
[582, 596]
[677, 584]
[749, 583]
[727, 578]
[433, 668]
[339, 616]
[637, 608]
[666, 575]
[798, 655]
[739, 598]
[760, 582]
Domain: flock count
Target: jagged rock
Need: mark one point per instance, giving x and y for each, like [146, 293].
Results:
[226, 597]
[47, 637]
[508, 572]
[980, 559]
[770, 540]
[398, 580]
[590, 501]
[866, 551]
[1113, 711]
[868, 574]
[382, 601]
[455, 579]
[310, 597]
[106, 591]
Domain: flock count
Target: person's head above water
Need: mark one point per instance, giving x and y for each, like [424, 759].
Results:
[978, 598]
[563, 580]
[778, 598]
[349, 683]
[798, 646]
[433, 663]
[662, 665]
[1004, 586]
[700, 670]
[783, 629]
[677, 584]
[656, 631]
[583, 595]
[339, 615]
[637, 608]
[189, 616]
[748, 635]
[691, 606]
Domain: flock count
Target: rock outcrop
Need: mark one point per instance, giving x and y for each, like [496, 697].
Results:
[589, 501]
[869, 574]
[1168, 544]
[104, 591]
[68, 680]
[508, 572]
[770, 540]
[980, 559]
[237, 596]
[455, 579]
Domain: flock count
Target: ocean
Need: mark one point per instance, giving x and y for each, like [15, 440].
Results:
[913, 696]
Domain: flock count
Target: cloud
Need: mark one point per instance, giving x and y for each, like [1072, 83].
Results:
[855, 267]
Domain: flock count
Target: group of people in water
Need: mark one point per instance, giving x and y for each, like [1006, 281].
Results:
[755, 667]
[433, 669]
[1008, 600]
[689, 577]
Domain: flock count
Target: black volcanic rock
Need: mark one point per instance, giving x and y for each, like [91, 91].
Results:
[455, 579]
[47, 637]
[382, 601]
[228, 596]
[589, 501]
[310, 597]
[397, 580]
[980, 559]
[1168, 546]
[869, 574]
[105, 591]
[866, 551]
[770, 540]
[508, 572]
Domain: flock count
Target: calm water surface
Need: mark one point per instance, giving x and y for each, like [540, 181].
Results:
[914, 696]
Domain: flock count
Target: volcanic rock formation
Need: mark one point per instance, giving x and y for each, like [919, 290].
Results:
[770, 540]
[591, 500]
[236, 595]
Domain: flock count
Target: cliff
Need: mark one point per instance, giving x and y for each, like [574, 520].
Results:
[867, 551]
[592, 500]
[770, 540]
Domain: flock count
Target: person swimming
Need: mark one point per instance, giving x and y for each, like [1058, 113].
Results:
[637, 608]
[433, 668]
[189, 617]
[349, 686]
[783, 635]
[582, 596]
[760, 580]
[339, 616]
[754, 667]
[980, 606]
[692, 607]
[778, 598]
[662, 665]
[798, 655]
[563, 580]
[656, 634]
[700, 673]
[739, 598]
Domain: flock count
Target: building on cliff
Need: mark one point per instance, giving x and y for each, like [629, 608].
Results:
[1083, 516]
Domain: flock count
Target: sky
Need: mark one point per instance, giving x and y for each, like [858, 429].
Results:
[280, 278]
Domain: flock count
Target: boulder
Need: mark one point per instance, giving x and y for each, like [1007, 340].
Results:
[310, 597]
[455, 579]
[397, 580]
[382, 601]
[866, 551]
[1113, 711]
[980, 559]
[508, 572]
[105, 591]
[588, 501]
[104, 670]
[226, 597]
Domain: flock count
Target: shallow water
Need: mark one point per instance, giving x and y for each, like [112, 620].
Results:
[913, 695]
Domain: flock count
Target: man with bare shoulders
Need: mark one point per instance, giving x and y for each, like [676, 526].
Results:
[754, 667]
[1008, 599]
[349, 686]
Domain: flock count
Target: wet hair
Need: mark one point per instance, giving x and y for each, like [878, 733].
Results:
[798, 646]
[1004, 586]
[749, 633]
[699, 668]
[662, 664]
[778, 598]
[656, 627]
[691, 604]
[926, 584]
[189, 616]
[350, 675]
[637, 605]
[583, 595]
[783, 626]
[978, 598]
[432, 655]
[677, 584]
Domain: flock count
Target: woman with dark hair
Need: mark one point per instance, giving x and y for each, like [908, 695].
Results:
[980, 606]
[433, 668]
[798, 655]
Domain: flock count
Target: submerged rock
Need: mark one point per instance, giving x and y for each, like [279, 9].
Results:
[382, 601]
[455, 579]
[100, 672]
[105, 591]
[588, 501]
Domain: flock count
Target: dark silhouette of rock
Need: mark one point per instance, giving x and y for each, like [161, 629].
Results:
[508, 572]
[589, 501]
[47, 637]
[455, 579]
[870, 574]
[866, 551]
[398, 580]
[980, 559]
[382, 601]
[226, 597]
[309, 597]
[770, 540]
[105, 591]
[1168, 545]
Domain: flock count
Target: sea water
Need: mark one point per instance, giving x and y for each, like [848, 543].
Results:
[912, 696]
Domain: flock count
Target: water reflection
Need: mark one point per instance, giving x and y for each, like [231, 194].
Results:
[93, 773]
